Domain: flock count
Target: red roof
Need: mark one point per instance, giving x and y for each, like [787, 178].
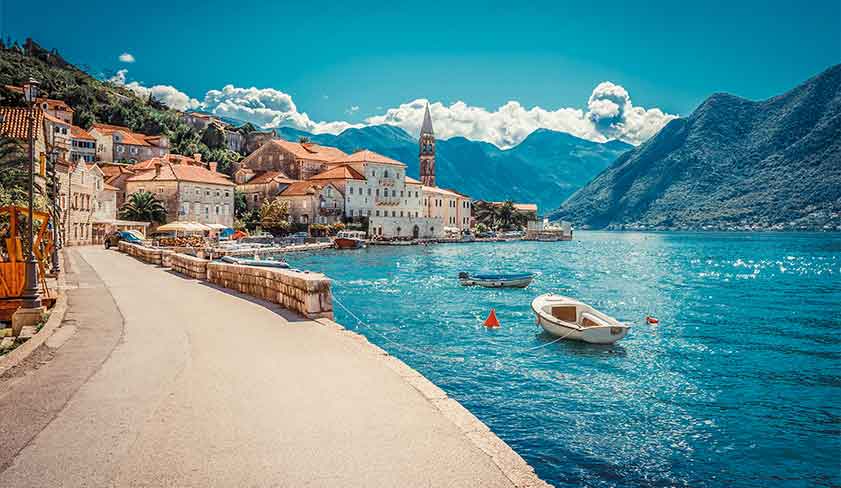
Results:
[310, 150]
[366, 156]
[80, 133]
[183, 172]
[129, 137]
[341, 172]
[267, 177]
[169, 158]
[14, 121]
[300, 188]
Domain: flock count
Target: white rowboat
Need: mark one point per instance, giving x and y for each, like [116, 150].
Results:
[571, 319]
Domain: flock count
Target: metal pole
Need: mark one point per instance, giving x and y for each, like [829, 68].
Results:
[31, 298]
[54, 217]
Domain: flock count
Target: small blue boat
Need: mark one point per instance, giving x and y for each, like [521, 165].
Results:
[264, 263]
[498, 280]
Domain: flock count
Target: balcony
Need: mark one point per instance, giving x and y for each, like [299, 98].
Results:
[330, 212]
[383, 200]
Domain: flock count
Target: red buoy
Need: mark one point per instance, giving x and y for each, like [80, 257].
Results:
[652, 320]
[491, 321]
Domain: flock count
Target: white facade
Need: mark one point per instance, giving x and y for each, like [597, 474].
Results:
[383, 193]
[407, 227]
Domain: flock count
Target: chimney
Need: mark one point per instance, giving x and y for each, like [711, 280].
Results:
[213, 165]
[158, 169]
[197, 157]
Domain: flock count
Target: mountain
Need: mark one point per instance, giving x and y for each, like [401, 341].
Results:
[545, 168]
[732, 164]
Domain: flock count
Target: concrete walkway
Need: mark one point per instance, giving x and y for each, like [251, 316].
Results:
[206, 388]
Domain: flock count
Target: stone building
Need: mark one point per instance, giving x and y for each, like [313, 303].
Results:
[82, 145]
[14, 123]
[78, 185]
[257, 189]
[255, 139]
[453, 209]
[426, 152]
[116, 143]
[190, 192]
[297, 160]
[313, 203]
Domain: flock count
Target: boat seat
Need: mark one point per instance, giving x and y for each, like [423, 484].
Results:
[590, 320]
[567, 313]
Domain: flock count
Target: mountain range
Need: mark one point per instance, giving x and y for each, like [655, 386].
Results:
[545, 168]
[732, 164]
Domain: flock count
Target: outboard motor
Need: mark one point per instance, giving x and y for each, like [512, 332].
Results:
[463, 276]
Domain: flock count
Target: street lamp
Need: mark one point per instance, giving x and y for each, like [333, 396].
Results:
[54, 214]
[31, 297]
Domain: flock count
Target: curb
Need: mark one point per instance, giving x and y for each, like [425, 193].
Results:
[514, 467]
[57, 313]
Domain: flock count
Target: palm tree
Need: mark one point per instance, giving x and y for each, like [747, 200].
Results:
[143, 207]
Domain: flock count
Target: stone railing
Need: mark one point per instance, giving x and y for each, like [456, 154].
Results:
[189, 265]
[306, 293]
[149, 255]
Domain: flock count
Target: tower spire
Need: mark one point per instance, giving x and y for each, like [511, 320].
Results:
[426, 146]
[426, 127]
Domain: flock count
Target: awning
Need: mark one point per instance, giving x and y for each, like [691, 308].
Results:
[218, 226]
[183, 227]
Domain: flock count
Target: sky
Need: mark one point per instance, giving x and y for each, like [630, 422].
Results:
[492, 71]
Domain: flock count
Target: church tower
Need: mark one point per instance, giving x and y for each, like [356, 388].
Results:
[426, 145]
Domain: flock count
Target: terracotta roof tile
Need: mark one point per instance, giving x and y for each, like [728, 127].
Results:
[15, 121]
[300, 188]
[80, 133]
[341, 172]
[183, 172]
[129, 137]
[366, 156]
[268, 176]
[310, 150]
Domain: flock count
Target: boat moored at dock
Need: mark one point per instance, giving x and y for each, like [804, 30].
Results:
[499, 280]
[569, 318]
[349, 239]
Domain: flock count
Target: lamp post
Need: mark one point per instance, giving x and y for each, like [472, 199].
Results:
[54, 201]
[31, 297]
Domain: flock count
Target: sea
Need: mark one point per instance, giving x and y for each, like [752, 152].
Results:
[738, 385]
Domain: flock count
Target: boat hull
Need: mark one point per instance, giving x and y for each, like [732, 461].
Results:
[571, 319]
[592, 335]
[345, 243]
[497, 281]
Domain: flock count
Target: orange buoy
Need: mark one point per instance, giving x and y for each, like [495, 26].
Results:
[651, 320]
[492, 321]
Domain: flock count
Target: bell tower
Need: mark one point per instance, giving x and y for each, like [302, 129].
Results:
[426, 145]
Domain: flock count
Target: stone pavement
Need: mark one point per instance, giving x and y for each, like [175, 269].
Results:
[173, 382]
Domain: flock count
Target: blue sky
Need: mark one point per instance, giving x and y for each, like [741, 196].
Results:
[333, 56]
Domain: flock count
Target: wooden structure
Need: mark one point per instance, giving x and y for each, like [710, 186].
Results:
[13, 225]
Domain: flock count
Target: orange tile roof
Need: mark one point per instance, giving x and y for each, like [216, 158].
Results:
[310, 150]
[183, 172]
[268, 176]
[443, 191]
[169, 158]
[129, 137]
[55, 120]
[113, 170]
[341, 172]
[15, 122]
[55, 104]
[366, 156]
[80, 133]
[110, 188]
[300, 188]
[412, 181]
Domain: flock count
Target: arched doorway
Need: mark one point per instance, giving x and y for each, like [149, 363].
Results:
[415, 232]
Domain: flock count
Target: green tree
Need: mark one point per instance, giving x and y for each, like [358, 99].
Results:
[213, 137]
[274, 216]
[240, 205]
[143, 207]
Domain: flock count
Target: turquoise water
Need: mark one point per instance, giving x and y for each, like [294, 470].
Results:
[738, 386]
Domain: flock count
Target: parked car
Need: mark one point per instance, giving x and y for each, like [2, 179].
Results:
[121, 235]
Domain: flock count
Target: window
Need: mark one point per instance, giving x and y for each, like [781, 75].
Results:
[369, 192]
[185, 208]
[198, 192]
[207, 210]
[197, 208]
[160, 189]
[120, 149]
[385, 174]
[378, 213]
[378, 192]
[227, 193]
[256, 197]
[217, 210]
[218, 193]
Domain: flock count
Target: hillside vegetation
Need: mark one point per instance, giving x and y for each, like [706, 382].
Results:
[95, 100]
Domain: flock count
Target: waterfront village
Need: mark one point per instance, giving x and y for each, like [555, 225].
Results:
[104, 171]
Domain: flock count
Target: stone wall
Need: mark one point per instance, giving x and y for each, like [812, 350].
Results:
[306, 293]
[189, 266]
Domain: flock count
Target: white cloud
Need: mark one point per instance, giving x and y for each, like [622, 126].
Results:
[168, 95]
[126, 58]
[610, 114]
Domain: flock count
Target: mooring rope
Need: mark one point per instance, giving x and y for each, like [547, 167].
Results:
[416, 351]
[385, 337]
